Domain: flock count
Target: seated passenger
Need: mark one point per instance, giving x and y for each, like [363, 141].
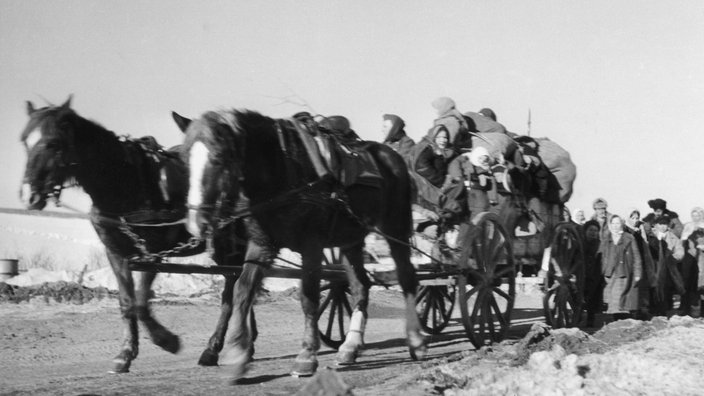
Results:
[433, 158]
[456, 124]
[428, 163]
[473, 171]
[395, 136]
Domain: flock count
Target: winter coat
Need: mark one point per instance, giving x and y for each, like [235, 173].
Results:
[431, 166]
[603, 227]
[455, 123]
[621, 266]
[397, 138]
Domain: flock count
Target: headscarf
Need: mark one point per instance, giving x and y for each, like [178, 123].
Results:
[396, 132]
[448, 114]
[447, 152]
[476, 154]
[576, 211]
[699, 210]
[628, 221]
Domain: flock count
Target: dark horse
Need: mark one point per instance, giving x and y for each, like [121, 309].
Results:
[133, 180]
[245, 165]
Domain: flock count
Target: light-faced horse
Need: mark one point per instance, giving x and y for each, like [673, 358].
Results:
[129, 180]
[246, 165]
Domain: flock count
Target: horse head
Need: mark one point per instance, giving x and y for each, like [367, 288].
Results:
[47, 138]
[213, 152]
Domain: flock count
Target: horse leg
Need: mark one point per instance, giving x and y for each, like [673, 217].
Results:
[417, 345]
[246, 287]
[130, 341]
[353, 261]
[306, 362]
[209, 357]
[160, 335]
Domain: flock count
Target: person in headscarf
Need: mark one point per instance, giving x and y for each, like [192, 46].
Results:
[579, 217]
[395, 136]
[593, 279]
[634, 226]
[622, 269]
[697, 214]
[433, 158]
[454, 121]
[659, 207]
[428, 162]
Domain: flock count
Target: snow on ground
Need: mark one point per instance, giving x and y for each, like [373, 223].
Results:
[628, 357]
[53, 249]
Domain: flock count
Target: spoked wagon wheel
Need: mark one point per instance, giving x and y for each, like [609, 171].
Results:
[434, 304]
[563, 299]
[334, 310]
[487, 282]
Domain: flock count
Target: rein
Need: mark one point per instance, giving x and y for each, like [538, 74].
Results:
[266, 205]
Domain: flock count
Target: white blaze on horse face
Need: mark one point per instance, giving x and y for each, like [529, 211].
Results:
[32, 138]
[197, 160]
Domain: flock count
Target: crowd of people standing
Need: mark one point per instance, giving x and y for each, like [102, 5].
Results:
[636, 266]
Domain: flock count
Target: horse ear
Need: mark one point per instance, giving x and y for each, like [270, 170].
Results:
[67, 104]
[30, 108]
[181, 121]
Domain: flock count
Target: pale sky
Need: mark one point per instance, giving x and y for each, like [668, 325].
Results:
[619, 84]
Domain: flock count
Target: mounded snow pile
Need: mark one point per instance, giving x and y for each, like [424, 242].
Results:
[657, 357]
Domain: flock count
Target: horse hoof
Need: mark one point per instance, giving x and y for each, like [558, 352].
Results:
[346, 357]
[121, 366]
[418, 353]
[171, 344]
[303, 368]
[239, 373]
[208, 358]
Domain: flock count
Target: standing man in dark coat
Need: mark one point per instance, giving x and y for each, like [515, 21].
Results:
[659, 207]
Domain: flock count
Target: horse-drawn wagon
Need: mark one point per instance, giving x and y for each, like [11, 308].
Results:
[255, 188]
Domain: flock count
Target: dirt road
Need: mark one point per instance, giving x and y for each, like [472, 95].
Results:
[65, 349]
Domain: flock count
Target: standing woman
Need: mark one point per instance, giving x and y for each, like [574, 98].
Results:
[622, 268]
[634, 226]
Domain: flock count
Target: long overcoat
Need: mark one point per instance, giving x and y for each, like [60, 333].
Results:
[621, 265]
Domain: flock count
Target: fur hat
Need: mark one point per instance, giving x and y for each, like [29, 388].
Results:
[664, 219]
[600, 203]
[657, 203]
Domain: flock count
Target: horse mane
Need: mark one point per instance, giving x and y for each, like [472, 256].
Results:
[49, 117]
[221, 129]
